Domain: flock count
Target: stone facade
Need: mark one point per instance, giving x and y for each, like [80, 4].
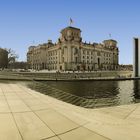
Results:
[70, 53]
[3, 58]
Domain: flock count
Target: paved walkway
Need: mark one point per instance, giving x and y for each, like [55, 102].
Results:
[28, 115]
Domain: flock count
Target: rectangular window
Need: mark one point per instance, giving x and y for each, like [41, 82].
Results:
[76, 59]
[98, 54]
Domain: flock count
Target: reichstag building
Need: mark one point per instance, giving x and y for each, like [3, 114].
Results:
[71, 53]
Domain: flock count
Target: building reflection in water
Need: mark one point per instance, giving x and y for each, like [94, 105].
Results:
[136, 90]
[125, 95]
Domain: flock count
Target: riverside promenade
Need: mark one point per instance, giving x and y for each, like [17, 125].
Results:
[28, 115]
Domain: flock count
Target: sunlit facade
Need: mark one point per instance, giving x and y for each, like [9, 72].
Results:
[71, 53]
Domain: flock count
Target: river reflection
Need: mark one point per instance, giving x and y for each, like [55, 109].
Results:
[91, 94]
[136, 90]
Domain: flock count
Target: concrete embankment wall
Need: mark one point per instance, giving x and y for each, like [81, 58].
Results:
[77, 75]
[65, 75]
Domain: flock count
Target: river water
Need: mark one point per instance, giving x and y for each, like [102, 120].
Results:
[91, 94]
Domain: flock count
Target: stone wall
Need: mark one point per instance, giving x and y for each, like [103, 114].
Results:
[69, 76]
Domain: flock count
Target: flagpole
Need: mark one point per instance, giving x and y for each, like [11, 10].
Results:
[71, 21]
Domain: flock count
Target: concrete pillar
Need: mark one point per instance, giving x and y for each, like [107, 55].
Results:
[136, 65]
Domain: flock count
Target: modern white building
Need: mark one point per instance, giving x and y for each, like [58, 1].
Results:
[136, 65]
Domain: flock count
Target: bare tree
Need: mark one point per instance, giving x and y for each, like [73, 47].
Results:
[12, 56]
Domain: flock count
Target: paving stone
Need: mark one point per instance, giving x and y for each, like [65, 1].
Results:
[54, 138]
[8, 129]
[4, 106]
[35, 104]
[117, 131]
[31, 127]
[57, 122]
[82, 134]
[18, 106]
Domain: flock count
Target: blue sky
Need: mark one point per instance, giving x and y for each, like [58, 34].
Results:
[30, 22]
